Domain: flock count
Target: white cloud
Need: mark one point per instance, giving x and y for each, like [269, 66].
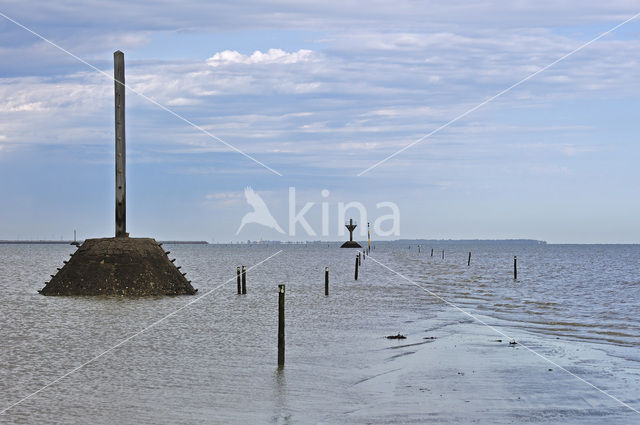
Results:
[573, 150]
[272, 56]
[225, 198]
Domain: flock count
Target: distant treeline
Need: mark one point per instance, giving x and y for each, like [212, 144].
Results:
[468, 242]
[405, 242]
[68, 242]
[185, 242]
[37, 242]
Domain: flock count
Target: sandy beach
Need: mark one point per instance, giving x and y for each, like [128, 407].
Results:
[469, 374]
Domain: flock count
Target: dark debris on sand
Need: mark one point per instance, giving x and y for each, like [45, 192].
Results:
[399, 336]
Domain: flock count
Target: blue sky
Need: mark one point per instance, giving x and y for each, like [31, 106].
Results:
[320, 92]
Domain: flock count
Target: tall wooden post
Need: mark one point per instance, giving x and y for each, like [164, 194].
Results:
[280, 325]
[356, 272]
[121, 184]
[515, 267]
[238, 278]
[244, 280]
[326, 281]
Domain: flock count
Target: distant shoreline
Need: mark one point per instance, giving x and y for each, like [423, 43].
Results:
[46, 242]
[410, 242]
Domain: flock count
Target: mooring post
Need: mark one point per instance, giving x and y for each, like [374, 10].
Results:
[356, 276]
[418, 249]
[359, 259]
[238, 276]
[244, 280]
[443, 254]
[432, 252]
[280, 325]
[515, 267]
[326, 281]
[121, 184]
[469, 260]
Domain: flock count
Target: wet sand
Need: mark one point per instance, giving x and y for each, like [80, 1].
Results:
[469, 374]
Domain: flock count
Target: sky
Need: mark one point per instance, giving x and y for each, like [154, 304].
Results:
[320, 92]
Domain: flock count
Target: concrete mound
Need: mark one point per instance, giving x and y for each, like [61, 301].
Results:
[351, 244]
[119, 266]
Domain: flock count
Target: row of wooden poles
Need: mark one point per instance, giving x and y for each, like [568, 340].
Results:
[515, 263]
[242, 290]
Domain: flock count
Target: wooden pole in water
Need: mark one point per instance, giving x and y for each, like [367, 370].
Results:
[432, 252]
[469, 260]
[443, 254]
[356, 275]
[326, 281]
[515, 267]
[418, 249]
[280, 325]
[239, 285]
[121, 183]
[244, 280]
[359, 259]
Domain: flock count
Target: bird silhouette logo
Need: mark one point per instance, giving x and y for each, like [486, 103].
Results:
[260, 213]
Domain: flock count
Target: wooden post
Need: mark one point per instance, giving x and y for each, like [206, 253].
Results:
[432, 252]
[326, 281]
[280, 325]
[356, 277]
[515, 268]
[469, 260]
[239, 285]
[244, 280]
[121, 183]
[418, 249]
[443, 254]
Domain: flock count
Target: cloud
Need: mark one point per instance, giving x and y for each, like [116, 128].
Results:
[272, 56]
[377, 88]
[225, 198]
[573, 150]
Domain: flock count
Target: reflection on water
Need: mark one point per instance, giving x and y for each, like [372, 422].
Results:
[215, 361]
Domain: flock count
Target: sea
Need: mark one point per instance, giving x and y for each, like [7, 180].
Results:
[559, 344]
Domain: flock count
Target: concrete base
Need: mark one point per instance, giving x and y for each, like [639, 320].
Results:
[119, 266]
[351, 244]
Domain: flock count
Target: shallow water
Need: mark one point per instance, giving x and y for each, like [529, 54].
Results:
[214, 361]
